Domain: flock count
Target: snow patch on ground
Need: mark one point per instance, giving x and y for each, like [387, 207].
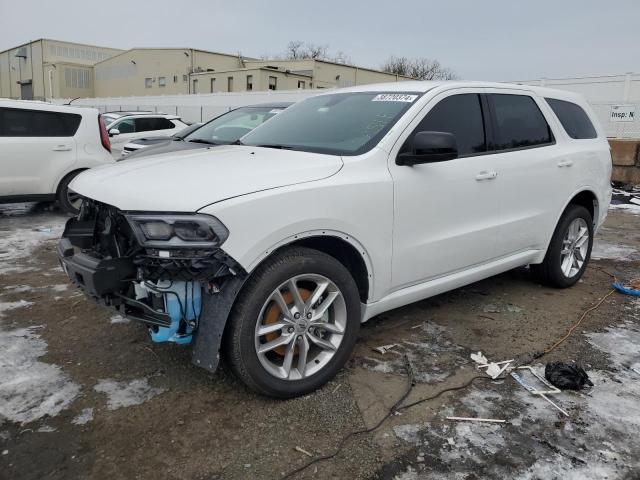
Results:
[85, 417]
[599, 440]
[30, 389]
[19, 243]
[626, 207]
[603, 250]
[119, 319]
[6, 306]
[126, 394]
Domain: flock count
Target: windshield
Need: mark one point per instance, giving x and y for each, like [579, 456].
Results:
[337, 124]
[231, 126]
[108, 119]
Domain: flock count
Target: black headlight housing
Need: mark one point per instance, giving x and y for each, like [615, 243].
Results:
[178, 230]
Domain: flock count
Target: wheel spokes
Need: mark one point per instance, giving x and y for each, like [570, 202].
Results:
[272, 328]
[278, 342]
[321, 342]
[326, 303]
[297, 298]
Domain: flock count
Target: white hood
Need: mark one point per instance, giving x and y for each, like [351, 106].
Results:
[189, 180]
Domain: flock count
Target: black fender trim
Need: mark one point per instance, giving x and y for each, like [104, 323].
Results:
[216, 308]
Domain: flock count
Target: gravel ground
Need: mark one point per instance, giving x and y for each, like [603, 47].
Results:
[85, 394]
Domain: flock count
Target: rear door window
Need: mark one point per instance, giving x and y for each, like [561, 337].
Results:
[153, 123]
[573, 118]
[519, 122]
[17, 122]
[460, 115]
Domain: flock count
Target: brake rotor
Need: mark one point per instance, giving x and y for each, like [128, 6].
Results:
[273, 313]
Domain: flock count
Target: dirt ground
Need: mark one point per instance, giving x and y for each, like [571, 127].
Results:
[85, 394]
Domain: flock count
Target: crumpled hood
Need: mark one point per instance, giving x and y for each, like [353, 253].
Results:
[189, 180]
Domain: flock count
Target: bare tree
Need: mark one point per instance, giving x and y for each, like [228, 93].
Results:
[299, 50]
[421, 68]
[295, 50]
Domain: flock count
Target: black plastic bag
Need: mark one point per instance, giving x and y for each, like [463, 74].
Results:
[566, 376]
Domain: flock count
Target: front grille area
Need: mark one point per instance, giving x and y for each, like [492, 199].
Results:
[102, 231]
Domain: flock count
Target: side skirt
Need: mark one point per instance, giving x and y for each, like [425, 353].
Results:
[440, 285]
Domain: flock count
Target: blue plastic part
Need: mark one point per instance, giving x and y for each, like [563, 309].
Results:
[183, 303]
[629, 291]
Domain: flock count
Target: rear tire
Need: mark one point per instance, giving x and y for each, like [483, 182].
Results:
[569, 250]
[315, 331]
[69, 201]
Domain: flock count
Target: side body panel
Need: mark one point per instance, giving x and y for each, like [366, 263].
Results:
[355, 204]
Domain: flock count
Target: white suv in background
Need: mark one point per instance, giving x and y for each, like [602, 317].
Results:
[44, 146]
[124, 127]
[343, 206]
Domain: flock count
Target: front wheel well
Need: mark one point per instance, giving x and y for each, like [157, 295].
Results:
[345, 253]
[588, 200]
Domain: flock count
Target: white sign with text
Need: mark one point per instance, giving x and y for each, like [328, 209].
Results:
[622, 113]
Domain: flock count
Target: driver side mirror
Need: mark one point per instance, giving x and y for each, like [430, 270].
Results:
[113, 132]
[430, 147]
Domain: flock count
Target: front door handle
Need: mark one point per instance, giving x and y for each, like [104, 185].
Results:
[486, 176]
[62, 148]
[565, 163]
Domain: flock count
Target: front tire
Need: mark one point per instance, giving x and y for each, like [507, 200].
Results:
[294, 324]
[569, 251]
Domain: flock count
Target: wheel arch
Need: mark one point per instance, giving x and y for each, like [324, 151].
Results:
[585, 197]
[66, 175]
[341, 246]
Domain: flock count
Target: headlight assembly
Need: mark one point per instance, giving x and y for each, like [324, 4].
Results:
[192, 231]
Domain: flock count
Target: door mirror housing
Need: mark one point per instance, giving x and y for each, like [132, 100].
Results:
[430, 147]
[113, 132]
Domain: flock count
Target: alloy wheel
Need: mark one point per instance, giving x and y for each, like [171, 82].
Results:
[300, 327]
[574, 248]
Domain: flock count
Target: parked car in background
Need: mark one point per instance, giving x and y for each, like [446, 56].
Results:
[222, 130]
[145, 142]
[127, 126]
[344, 206]
[44, 146]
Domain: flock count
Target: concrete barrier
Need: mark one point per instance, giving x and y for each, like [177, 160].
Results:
[625, 155]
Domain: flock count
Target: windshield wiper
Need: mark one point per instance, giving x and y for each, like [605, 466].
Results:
[281, 147]
[237, 142]
[199, 140]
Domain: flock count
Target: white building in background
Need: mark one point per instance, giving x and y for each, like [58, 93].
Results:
[615, 99]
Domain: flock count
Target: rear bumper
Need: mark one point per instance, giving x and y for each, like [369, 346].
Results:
[109, 281]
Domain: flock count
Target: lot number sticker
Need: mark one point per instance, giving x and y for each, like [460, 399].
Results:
[394, 97]
[622, 113]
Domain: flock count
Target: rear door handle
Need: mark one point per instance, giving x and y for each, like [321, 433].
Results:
[62, 148]
[565, 163]
[486, 176]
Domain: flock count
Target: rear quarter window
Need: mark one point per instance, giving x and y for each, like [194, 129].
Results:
[573, 118]
[17, 122]
[519, 122]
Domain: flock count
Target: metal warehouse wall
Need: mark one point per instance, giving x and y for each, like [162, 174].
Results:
[193, 108]
[604, 93]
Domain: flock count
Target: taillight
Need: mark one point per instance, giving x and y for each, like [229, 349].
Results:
[104, 136]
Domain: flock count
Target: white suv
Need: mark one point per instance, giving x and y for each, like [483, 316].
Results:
[123, 127]
[345, 205]
[44, 146]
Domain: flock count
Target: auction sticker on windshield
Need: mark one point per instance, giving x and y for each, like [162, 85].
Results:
[394, 97]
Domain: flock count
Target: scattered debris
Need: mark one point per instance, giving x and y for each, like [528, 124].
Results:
[494, 369]
[382, 349]
[541, 393]
[567, 376]
[490, 308]
[46, 429]
[474, 419]
[302, 450]
[632, 288]
[479, 358]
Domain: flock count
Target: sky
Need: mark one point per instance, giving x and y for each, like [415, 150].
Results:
[497, 40]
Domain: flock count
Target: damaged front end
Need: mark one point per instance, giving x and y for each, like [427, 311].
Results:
[166, 270]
